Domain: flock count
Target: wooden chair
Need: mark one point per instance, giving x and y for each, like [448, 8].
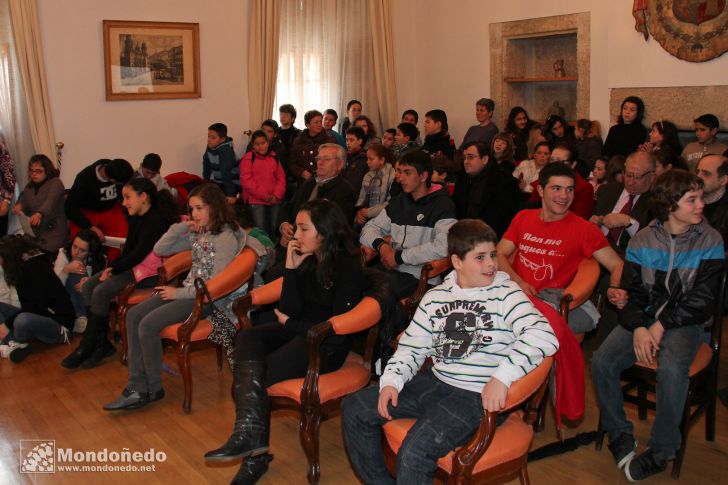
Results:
[429, 270]
[191, 334]
[702, 390]
[130, 296]
[315, 396]
[492, 454]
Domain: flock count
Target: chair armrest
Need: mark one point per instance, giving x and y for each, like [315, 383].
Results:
[529, 385]
[581, 287]
[429, 270]
[314, 338]
[241, 307]
[185, 330]
[123, 298]
[266, 294]
[364, 315]
[174, 266]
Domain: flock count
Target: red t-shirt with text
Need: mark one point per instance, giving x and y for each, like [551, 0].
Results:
[548, 253]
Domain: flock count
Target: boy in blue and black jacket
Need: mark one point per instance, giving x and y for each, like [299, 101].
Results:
[669, 285]
[219, 163]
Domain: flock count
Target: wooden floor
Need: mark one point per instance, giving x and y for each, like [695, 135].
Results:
[40, 400]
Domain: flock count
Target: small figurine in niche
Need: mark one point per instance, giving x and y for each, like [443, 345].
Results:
[556, 109]
[559, 68]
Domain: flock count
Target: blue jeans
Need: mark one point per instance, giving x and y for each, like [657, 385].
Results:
[677, 351]
[75, 295]
[265, 217]
[446, 418]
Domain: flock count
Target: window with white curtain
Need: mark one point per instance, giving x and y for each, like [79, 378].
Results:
[14, 128]
[325, 57]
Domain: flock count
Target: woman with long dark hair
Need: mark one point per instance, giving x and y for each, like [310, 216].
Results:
[322, 278]
[150, 213]
[629, 132]
[519, 127]
[45, 312]
[81, 258]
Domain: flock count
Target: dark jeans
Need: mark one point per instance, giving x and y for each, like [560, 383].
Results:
[144, 323]
[677, 351]
[283, 352]
[446, 418]
[27, 326]
[265, 217]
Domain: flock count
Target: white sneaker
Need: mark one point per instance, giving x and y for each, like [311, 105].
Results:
[79, 325]
[5, 350]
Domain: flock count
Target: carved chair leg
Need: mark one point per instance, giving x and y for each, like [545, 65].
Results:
[122, 330]
[183, 359]
[523, 475]
[309, 434]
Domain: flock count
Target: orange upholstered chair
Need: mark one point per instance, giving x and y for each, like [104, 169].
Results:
[317, 395]
[192, 334]
[492, 454]
[130, 296]
[580, 289]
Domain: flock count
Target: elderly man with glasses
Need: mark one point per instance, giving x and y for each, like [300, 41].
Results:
[622, 208]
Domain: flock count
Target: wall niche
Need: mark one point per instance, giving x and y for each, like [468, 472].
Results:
[524, 69]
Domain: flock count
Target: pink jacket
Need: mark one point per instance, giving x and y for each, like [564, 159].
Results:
[260, 177]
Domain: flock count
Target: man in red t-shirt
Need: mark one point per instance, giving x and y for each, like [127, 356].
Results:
[546, 246]
[583, 205]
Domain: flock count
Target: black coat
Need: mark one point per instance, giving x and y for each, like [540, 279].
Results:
[492, 196]
[337, 190]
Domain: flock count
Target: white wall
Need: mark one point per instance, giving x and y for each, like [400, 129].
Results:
[94, 128]
[451, 60]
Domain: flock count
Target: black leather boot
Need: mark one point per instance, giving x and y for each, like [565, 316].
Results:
[88, 342]
[102, 347]
[252, 415]
[252, 469]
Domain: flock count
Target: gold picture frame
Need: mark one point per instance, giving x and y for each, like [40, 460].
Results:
[151, 60]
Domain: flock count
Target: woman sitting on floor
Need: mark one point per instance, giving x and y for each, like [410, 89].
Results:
[45, 312]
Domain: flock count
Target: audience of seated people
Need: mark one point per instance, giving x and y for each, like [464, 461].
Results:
[300, 194]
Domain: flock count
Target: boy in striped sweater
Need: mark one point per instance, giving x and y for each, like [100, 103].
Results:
[482, 333]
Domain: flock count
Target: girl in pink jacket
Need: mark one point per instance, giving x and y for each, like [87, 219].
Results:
[263, 182]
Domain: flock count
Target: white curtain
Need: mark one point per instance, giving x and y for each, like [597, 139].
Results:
[325, 57]
[14, 124]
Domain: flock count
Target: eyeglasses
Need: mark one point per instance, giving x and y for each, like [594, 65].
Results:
[36, 170]
[470, 156]
[636, 177]
[326, 159]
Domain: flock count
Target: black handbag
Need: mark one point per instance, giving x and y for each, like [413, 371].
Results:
[223, 329]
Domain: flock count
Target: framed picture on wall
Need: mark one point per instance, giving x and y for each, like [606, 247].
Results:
[151, 60]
